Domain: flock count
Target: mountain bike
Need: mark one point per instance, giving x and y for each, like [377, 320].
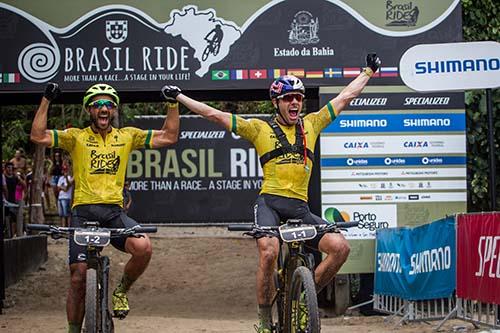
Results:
[98, 318]
[295, 304]
[212, 47]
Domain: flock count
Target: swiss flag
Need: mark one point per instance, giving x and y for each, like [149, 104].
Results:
[258, 74]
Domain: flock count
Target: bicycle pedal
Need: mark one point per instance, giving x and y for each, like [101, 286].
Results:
[120, 314]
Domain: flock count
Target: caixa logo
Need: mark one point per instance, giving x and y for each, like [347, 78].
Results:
[433, 160]
[416, 144]
[394, 161]
[356, 145]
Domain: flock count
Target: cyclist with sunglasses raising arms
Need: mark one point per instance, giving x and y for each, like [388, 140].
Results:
[285, 146]
[99, 156]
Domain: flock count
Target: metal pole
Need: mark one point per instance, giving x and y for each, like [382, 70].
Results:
[491, 139]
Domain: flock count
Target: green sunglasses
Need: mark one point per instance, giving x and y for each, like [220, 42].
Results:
[103, 102]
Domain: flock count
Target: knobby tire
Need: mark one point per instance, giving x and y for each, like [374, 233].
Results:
[92, 306]
[302, 282]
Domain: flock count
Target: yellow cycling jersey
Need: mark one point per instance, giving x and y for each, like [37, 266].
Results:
[285, 175]
[99, 165]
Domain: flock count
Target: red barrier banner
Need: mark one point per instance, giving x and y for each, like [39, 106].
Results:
[478, 257]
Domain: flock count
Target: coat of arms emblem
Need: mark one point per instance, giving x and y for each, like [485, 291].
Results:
[116, 31]
[304, 29]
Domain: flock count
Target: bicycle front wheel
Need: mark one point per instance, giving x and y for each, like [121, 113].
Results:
[92, 305]
[302, 303]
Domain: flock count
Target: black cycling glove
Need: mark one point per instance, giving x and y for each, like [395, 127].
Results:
[51, 91]
[373, 61]
[170, 93]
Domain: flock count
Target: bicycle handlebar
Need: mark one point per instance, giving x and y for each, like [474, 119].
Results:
[252, 229]
[68, 230]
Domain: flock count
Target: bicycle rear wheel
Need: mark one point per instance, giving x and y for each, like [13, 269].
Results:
[92, 303]
[302, 303]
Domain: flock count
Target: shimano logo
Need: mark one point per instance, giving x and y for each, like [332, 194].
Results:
[368, 102]
[202, 134]
[436, 122]
[427, 101]
[415, 144]
[453, 66]
[357, 145]
[344, 123]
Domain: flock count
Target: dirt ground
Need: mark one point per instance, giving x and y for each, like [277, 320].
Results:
[199, 280]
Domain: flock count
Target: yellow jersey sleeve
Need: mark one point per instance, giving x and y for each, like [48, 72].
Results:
[248, 129]
[322, 118]
[140, 138]
[65, 139]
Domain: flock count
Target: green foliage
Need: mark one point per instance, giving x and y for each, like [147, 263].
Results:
[481, 22]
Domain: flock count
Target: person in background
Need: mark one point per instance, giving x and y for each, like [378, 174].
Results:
[65, 187]
[19, 161]
[12, 181]
[56, 173]
[127, 196]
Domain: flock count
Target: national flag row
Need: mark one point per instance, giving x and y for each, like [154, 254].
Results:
[10, 77]
[328, 73]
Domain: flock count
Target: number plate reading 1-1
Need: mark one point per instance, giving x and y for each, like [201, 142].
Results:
[86, 237]
[297, 233]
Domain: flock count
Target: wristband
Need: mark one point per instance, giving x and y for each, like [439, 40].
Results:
[172, 104]
[368, 71]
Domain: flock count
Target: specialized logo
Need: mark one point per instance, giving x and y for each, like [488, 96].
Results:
[426, 101]
[401, 15]
[202, 134]
[104, 163]
[368, 101]
[116, 31]
[304, 29]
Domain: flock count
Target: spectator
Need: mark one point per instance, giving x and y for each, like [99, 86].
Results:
[65, 187]
[127, 196]
[19, 161]
[12, 181]
[56, 172]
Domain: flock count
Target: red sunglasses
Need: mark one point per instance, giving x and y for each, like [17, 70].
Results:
[290, 97]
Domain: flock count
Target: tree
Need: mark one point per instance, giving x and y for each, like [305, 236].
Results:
[481, 23]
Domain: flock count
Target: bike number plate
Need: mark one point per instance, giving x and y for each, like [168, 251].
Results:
[87, 237]
[294, 234]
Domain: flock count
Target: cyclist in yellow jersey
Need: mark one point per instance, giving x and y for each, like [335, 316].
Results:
[99, 157]
[285, 146]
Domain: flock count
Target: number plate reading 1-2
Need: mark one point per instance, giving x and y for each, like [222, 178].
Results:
[297, 233]
[92, 237]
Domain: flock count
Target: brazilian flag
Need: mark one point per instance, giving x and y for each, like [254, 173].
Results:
[220, 74]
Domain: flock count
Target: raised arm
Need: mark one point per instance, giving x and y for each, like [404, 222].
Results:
[204, 110]
[354, 88]
[39, 132]
[169, 132]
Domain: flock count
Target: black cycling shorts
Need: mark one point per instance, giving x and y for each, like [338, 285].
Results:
[273, 210]
[108, 216]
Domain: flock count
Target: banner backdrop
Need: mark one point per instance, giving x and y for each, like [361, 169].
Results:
[200, 47]
[478, 257]
[209, 175]
[416, 263]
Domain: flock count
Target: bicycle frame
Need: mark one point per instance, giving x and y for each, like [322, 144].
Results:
[295, 268]
[98, 317]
